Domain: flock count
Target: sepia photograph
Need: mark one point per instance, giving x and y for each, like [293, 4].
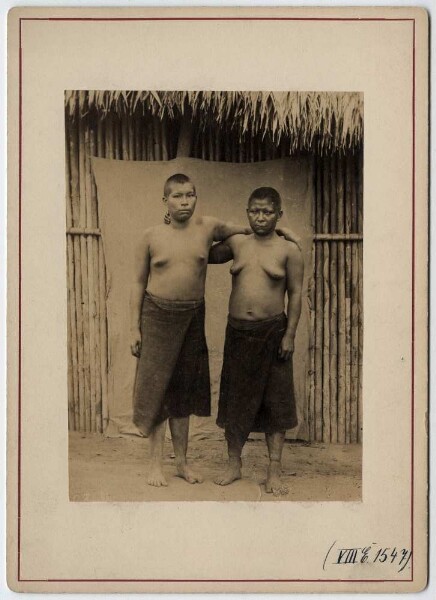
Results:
[217, 300]
[215, 295]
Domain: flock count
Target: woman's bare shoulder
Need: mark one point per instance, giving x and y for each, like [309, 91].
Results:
[152, 233]
[240, 238]
[206, 221]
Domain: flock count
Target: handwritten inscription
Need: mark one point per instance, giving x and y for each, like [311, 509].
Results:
[374, 553]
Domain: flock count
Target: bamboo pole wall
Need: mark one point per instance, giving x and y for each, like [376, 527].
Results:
[336, 302]
[138, 138]
[334, 404]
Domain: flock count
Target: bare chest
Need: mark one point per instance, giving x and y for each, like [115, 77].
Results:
[180, 247]
[254, 261]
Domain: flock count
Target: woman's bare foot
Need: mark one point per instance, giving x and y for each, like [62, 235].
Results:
[184, 471]
[232, 473]
[274, 484]
[156, 477]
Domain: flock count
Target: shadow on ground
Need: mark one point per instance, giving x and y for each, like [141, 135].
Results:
[115, 469]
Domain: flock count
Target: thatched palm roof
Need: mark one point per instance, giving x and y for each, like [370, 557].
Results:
[333, 120]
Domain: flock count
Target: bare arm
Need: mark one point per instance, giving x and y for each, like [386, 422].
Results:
[294, 284]
[142, 271]
[289, 235]
[223, 230]
[220, 253]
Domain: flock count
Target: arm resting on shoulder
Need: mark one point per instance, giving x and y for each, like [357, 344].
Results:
[289, 235]
[223, 230]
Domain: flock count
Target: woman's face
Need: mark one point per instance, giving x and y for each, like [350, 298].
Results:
[181, 201]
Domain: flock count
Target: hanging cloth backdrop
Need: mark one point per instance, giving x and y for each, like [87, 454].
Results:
[129, 197]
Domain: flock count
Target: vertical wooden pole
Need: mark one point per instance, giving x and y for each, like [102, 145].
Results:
[341, 307]
[116, 149]
[326, 308]
[90, 270]
[93, 152]
[261, 141]
[71, 425]
[360, 295]
[312, 305]
[125, 153]
[97, 366]
[247, 148]
[72, 333]
[347, 342]
[103, 335]
[354, 311]
[211, 145]
[77, 317]
[137, 134]
[348, 266]
[164, 138]
[156, 141]
[203, 145]
[93, 134]
[354, 342]
[241, 151]
[272, 150]
[150, 138]
[131, 137]
[73, 384]
[196, 142]
[75, 199]
[108, 138]
[84, 273]
[100, 137]
[217, 152]
[101, 146]
[360, 345]
[96, 289]
[319, 307]
[333, 306]
[184, 144]
[228, 149]
[234, 148]
[143, 138]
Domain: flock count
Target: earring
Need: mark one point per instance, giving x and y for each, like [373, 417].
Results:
[167, 218]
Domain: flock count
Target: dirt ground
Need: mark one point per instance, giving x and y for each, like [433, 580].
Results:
[114, 470]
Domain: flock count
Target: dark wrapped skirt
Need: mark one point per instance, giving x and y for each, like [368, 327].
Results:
[257, 390]
[172, 377]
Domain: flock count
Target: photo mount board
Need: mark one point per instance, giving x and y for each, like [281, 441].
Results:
[380, 52]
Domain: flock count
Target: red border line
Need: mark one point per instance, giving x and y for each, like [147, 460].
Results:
[412, 462]
[216, 580]
[363, 19]
[20, 129]
[20, 133]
